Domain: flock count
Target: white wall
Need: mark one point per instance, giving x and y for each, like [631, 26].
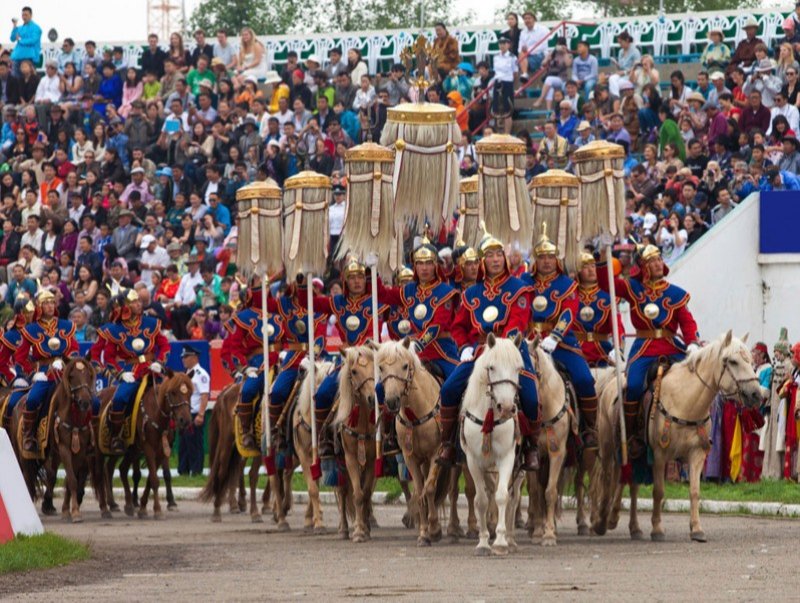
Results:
[733, 287]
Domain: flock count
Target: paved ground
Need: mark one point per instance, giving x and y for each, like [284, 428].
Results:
[186, 557]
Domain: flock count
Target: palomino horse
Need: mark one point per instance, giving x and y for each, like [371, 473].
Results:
[410, 395]
[71, 439]
[678, 428]
[557, 419]
[355, 420]
[160, 404]
[301, 435]
[492, 392]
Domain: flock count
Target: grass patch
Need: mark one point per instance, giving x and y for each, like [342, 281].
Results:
[39, 552]
[764, 491]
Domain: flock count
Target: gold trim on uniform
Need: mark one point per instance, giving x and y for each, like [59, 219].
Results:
[490, 314]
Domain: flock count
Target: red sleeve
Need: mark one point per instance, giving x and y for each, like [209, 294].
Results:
[21, 357]
[73, 349]
[518, 318]
[6, 363]
[96, 351]
[162, 348]
[322, 303]
[461, 329]
[110, 356]
[687, 324]
[389, 295]
[622, 287]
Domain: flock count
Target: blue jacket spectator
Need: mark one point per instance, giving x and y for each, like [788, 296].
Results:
[28, 39]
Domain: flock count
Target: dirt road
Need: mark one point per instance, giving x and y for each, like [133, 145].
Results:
[186, 557]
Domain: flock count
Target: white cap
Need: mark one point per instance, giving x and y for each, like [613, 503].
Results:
[146, 240]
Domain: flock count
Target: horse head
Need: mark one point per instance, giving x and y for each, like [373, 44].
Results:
[498, 368]
[397, 365]
[78, 382]
[174, 398]
[738, 379]
[356, 380]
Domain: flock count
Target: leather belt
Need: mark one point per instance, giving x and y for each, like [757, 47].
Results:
[273, 347]
[540, 327]
[655, 334]
[142, 358]
[583, 337]
[297, 347]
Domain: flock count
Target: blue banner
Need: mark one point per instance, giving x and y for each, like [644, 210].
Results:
[779, 215]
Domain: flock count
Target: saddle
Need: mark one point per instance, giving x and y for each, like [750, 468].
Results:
[652, 389]
[575, 442]
[43, 428]
[128, 425]
[435, 371]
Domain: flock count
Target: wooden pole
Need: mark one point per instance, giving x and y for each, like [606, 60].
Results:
[266, 438]
[612, 291]
[376, 337]
[311, 367]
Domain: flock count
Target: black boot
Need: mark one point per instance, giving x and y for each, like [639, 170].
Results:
[448, 416]
[324, 434]
[278, 439]
[244, 411]
[29, 420]
[531, 447]
[116, 419]
[636, 445]
[589, 416]
[390, 445]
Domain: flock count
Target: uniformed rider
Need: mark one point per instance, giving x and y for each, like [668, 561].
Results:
[498, 304]
[659, 310]
[554, 309]
[12, 374]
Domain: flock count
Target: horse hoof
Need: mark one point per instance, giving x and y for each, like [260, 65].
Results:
[358, 537]
[234, 511]
[436, 536]
[114, 507]
[48, 509]
[519, 524]
[549, 541]
[129, 510]
[142, 514]
[283, 526]
[172, 507]
[320, 531]
[157, 515]
[472, 533]
[583, 530]
[482, 551]
[216, 518]
[344, 535]
[106, 515]
[599, 529]
[513, 547]
[699, 536]
[241, 508]
[65, 516]
[423, 541]
[408, 522]
[657, 536]
[373, 523]
[638, 535]
[500, 550]
[77, 518]
[256, 518]
[612, 525]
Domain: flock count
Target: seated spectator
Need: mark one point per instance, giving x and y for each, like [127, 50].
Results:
[585, 68]
[679, 93]
[694, 228]
[553, 147]
[567, 121]
[84, 332]
[627, 59]
[670, 133]
[671, 238]
[745, 55]
[557, 65]
[790, 161]
[717, 54]
[725, 205]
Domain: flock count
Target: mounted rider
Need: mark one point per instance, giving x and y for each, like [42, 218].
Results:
[658, 311]
[243, 350]
[45, 343]
[498, 304]
[554, 309]
[593, 328]
[134, 346]
[353, 312]
[395, 317]
[467, 266]
[10, 340]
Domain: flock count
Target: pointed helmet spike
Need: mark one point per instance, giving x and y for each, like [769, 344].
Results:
[545, 246]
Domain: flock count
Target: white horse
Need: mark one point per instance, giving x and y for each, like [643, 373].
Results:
[678, 428]
[494, 386]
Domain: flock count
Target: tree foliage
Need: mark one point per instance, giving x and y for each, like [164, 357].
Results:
[545, 10]
[263, 16]
[628, 8]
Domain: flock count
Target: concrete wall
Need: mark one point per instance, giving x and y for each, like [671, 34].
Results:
[732, 286]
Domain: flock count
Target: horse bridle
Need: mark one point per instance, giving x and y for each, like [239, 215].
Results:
[407, 381]
[173, 406]
[725, 369]
[491, 384]
[73, 389]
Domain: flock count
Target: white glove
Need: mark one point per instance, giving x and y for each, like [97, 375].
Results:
[40, 376]
[282, 355]
[19, 382]
[128, 377]
[372, 259]
[467, 354]
[156, 368]
[251, 371]
[612, 356]
[549, 344]
[692, 347]
[415, 346]
[57, 365]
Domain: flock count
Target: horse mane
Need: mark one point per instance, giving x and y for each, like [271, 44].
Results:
[503, 354]
[347, 395]
[322, 369]
[544, 362]
[396, 348]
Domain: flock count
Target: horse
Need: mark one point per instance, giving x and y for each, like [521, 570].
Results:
[557, 422]
[678, 426]
[491, 394]
[70, 441]
[411, 395]
[301, 437]
[160, 404]
[355, 422]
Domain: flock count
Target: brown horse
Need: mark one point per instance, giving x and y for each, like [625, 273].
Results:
[356, 423]
[160, 404]
[70, 440]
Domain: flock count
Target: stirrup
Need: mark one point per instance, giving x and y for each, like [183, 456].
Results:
[447, 454]
[530, 454]
[589, 437]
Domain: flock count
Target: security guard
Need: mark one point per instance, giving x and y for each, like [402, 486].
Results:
[190, 452]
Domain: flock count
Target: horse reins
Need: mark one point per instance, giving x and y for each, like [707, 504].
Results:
[725, 369]
[173, 406]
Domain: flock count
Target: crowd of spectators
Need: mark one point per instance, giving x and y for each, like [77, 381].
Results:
[115, 175]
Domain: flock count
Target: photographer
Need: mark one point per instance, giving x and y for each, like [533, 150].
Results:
[671, 238]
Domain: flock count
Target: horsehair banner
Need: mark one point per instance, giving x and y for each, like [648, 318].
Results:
[599, 165]
[555, 198]
[306, 198]
[425, 176]
[260, 241]
[503, 198]
[469, 211]
[369, 215]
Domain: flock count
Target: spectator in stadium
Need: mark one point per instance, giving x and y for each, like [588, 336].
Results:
[745, 55]
[447, 47]
[585, 68]
[513, 31]
[532, 43]
[27, 39]
[717, 54]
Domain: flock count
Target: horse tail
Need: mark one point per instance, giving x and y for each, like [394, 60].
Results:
[223, 472]
[442, 486]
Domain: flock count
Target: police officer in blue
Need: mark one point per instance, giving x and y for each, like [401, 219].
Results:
[554, 309]
[498, 304]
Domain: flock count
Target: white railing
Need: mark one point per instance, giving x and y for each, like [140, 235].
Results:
[659, 36]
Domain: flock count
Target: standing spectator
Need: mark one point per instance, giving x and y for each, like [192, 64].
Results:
[225, 51]
[356, 66]
[505, 69]
[447, 46]
[763, 79]
[745, 53]
[185, 299]
[671, 238]
[153, 57]
[585, 68]
[190, 452]
[91, 60]
[513, 32]
[396, 84]
[27, 39]
[669, 133]
[717, 55]
[202, 48]
[9, 88]
[531, 41]
[178, 54]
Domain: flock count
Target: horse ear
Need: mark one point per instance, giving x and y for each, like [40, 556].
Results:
[746, 336]
[348, 354]
[371, 345]
[490, 340]
[518, 340]
[406, 342]
[169, 372]
[728, 337]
